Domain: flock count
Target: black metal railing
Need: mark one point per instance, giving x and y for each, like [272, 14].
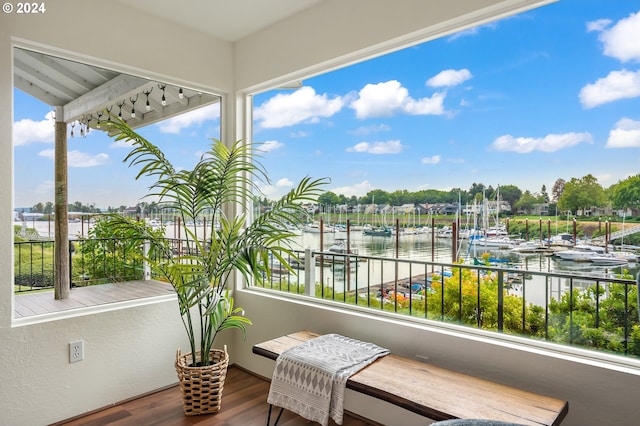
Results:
[597, 312]
[92, 261]
[105, 260]
[33, 265]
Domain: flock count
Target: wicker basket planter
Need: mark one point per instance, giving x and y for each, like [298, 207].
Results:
[202, 386]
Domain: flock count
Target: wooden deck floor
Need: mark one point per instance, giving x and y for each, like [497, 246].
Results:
[244, 403]
[39, 303]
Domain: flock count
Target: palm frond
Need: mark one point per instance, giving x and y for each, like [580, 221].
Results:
[223, 175]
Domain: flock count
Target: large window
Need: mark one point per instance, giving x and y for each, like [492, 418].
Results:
[180, 120]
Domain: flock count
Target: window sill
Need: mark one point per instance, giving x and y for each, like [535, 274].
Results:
[32, 308]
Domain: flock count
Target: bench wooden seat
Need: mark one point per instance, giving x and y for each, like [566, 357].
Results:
[435, 392]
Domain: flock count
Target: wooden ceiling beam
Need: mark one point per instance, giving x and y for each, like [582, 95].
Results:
[114, 91]
[45, 82]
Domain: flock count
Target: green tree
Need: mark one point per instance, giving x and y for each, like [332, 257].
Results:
[510, 194]
[476, 189]
[626, 193]
[543, 194]
[329, 199]
[526, 202]
[48, 208]
[582, 193]
[377, 196]
[108, 256]
[558, 188]
[399, 197]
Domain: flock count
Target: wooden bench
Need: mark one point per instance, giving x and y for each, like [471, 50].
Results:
[435, 392]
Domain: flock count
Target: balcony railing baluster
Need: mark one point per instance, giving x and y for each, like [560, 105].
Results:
[585, 311]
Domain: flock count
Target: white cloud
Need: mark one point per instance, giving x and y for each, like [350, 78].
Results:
[472, 31]
[617, 85]
[78, 159]
[434, 159]
[26, 131]
[45, 187]
[121, 144]
[299, 134]
[389, 98]
[549, 143]
[196, 117]
[388, 147]
[449, 78]
[367, 130]
[278, 189]
[269, 146]
[621, 40]
[284, 183]
[358, 189]
[598, 25]
[426, 106]
[303, 105]
[626, 134]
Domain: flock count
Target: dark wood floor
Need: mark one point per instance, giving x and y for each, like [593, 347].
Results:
[244, 403]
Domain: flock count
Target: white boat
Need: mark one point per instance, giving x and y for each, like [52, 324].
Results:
[615, 258]
[562, 240]
[340, 247]
[580, 253]
[493, 242]
[338, 254]
[627, 255]
[528, 247]
[444, 232]
[499, 230]
[315, 228]
[607, 259]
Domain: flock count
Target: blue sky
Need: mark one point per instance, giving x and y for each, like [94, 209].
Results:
[551, 93]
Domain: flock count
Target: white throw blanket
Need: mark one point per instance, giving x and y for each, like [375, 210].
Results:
[310, 379]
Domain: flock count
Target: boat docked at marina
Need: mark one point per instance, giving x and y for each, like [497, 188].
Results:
[532, 247]
[493, 242]
[580, 253]
[339, 253]
[607, 259]
[315, 228]
[614, 258]
[382, 231]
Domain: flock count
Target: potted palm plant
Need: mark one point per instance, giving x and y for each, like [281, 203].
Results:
[200, 267]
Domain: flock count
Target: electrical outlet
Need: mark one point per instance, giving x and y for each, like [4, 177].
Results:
[76, 351]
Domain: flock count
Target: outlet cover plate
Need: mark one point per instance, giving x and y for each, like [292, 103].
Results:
[76, 351]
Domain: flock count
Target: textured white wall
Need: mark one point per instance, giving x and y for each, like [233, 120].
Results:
[597, 394]
[127, 352]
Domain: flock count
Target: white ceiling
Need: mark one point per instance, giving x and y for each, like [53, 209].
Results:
[229, 20]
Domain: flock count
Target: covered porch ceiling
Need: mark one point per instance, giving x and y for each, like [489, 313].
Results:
[88, 93]
[85, 92]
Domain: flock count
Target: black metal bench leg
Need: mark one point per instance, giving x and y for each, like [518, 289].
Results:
[277, 419]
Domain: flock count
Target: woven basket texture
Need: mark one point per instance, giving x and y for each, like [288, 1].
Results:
[202, 386]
